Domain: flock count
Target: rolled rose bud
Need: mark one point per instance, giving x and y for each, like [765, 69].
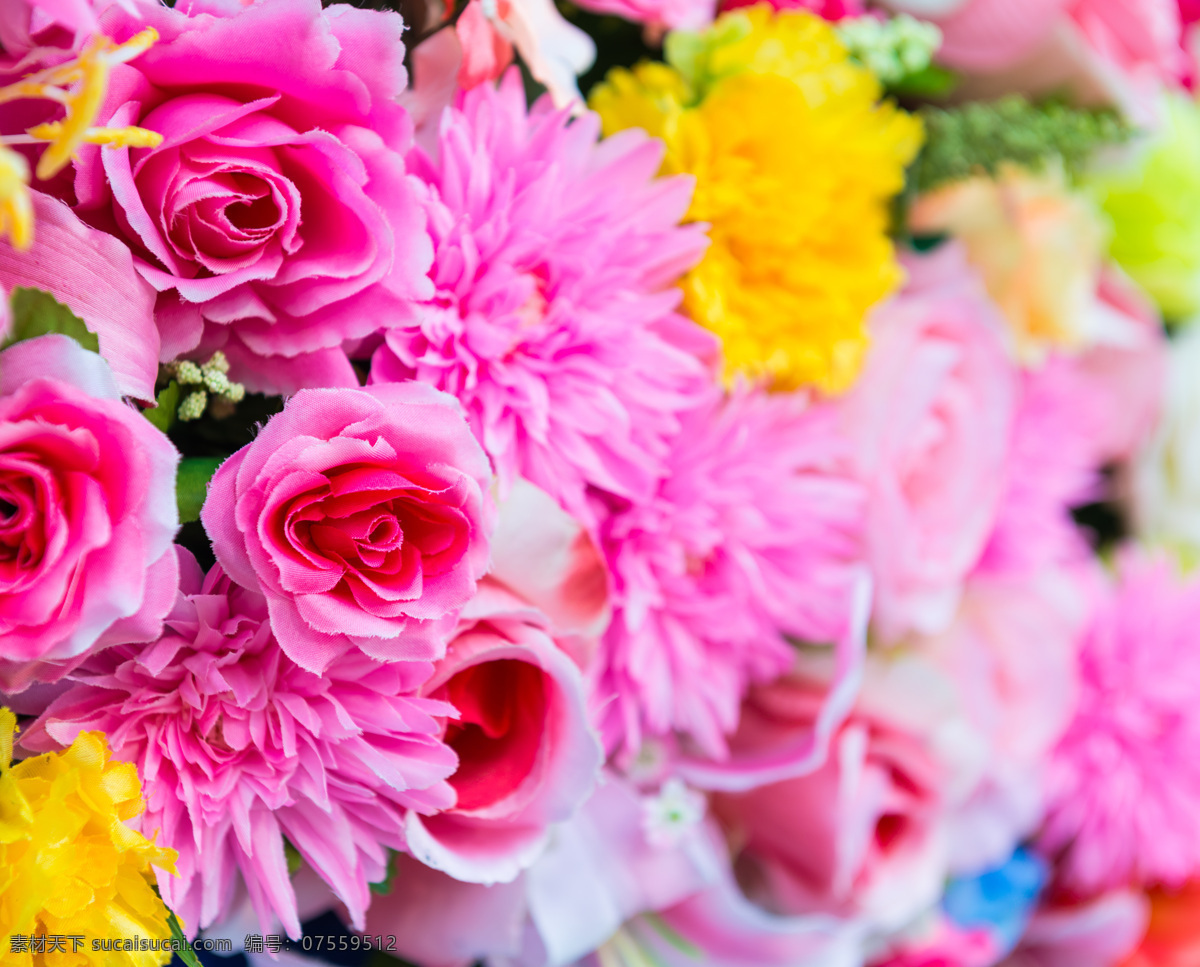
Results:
[363, 514]
[527, 755]
[87, 512]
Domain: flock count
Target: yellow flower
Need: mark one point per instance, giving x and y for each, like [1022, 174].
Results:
[795, 159]
[68, 863]
[1039, 247]
[16, 207]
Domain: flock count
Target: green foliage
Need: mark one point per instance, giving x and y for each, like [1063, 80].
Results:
[977, 138]
[37, 313]
[163, 415]
[930, 83]
[192, 485]
[184, 952]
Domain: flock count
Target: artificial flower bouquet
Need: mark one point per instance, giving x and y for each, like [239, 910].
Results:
[629, 483]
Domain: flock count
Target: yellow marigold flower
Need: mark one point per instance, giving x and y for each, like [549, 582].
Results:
[795, 159]
[68, 863]
[16, 206]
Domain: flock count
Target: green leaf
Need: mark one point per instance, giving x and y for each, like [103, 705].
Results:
[185, 949]
[932, 82]
[384, 886]
[673, 936]
[191, 485]
[294, 859]
[163, 415]
[36, 313]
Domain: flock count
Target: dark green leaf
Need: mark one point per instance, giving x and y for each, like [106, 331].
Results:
[384, 886]
[192, 485]
[36, 313]
[932, 82]
[163, 415]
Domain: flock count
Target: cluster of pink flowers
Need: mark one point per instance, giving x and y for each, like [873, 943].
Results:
[512, 627]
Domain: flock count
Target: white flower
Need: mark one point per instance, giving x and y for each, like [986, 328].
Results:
[667, 817]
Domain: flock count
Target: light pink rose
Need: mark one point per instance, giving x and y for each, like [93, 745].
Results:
[863, 834]
[93, 275]
[87, 513]
[276, 219]
[363, 514]
[29, 24]
[527, 754]
[1114, 51]
[930, 420]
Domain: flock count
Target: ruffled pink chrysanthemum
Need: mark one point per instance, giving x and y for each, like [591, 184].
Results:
[1124, 782]
[554, 319]
[239, 747]
[752, 535]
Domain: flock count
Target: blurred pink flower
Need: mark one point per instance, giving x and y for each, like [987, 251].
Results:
[752, 534]
[364, 516]
[238, 747]
[1124, 781]
[554, 319]
[862, 835]
[87, 512]
[268, 110]
[1114, 51]
[527, 754]
[930, 421]
[1097, 933]
[829, 9]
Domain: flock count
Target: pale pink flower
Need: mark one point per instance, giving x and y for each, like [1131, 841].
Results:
[363, 514]
[752, 534]
[527, 753]
[1098, 933]
[276, 220]
[1124, 781]
[554, 317]
[87, 512]
[930, 420]
[238, 747]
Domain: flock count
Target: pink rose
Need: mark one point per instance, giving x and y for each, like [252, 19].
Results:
[862, 834]
[527, 754]
[29, 24]
[87, 513]
[363, 514]
[276, 219]
[930, 421]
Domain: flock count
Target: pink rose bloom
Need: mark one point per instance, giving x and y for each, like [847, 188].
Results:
[267, 109]
[752, 534]
[1115, 51]
[862, 834]
[930, 421]
[527, 755]
[364, 516]
[29, 24]
[237, 747]
[944, 944]
[87, 512]
[93, 275]
[554, 321]
[1124, 781]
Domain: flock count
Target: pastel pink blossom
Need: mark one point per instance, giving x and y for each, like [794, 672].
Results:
[93, 275]
[1097, 933]
[87, 512]
[943, 944]
[752, 535]
[600, 869]
[1114, 51]
[1124, 783]
[238, 747]
[659, 15]
[363, 514]
[930, 420]
[554, 321]
[268, 110]
[29, 24]
[862, 834]
[527, 753]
